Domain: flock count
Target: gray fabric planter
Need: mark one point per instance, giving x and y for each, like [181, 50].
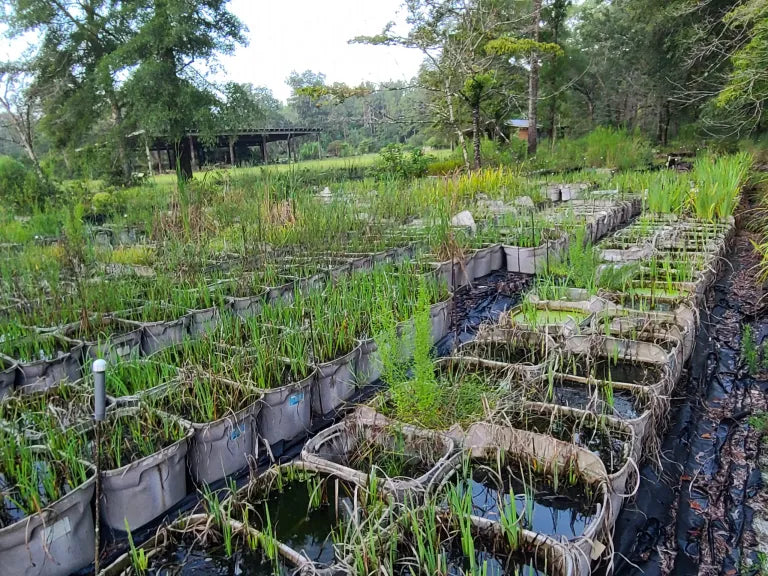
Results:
[540, 346]
[8, 376]
[336, 383]
[331, 450]
[488, 259]
[247, 306]
[202, 322]
[123, 344]
[65, 367]
[283, 292]
[223, 447]
[369, 366]
[545, 454]
[159, 335]
[532, 260]
[286, 413]
[440, 321]
[56, 542]
[144, 490]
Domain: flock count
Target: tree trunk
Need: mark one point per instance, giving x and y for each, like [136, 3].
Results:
[665, 131]
[122, 152]
[452, 122]
[476, 135]
[149, 156]
[184, 159]
[232, 150]
[533, 84]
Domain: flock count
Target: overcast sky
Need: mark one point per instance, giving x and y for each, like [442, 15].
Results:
[300, 35]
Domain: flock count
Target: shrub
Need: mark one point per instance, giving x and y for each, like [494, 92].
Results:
[338, 148]
[609, 148]
[103, 204]
[12, 177]
[309, 151]
[447, 166]
[398, 161]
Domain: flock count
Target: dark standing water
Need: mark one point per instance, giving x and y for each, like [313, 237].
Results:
[307, 532]
[624, 403]
[563, 512]
[605, 443]
[184, 558]
[610, 370]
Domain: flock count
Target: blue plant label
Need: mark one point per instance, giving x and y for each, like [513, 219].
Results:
[295, 399]
[237, 432]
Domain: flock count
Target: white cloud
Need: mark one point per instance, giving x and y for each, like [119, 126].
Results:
[288, 35]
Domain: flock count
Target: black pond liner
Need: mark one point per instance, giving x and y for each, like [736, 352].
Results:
[692, 448]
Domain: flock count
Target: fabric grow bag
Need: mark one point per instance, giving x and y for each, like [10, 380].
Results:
[56, 542]
[368, 367]
[153, 547]
[247, 306]
[598, 347]
[65, 367]
[487, 260]
[159, 335]
[122, 344]
[223, 447]
[622, 479]
[487, 441]
[513, 338]
[8, 376]
[144, 490]
[286, 413]
[330, 451]
[203, 321]
[336, 383]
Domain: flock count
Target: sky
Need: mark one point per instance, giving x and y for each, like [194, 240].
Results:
[287, 35]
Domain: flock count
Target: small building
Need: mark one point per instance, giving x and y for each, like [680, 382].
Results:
[522, 125]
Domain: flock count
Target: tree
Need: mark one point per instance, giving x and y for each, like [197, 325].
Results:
[244, 106]
[745, 95]
[532, 49]
[20, 110]
[451, 35]
[72, 66]
[475, 89]
[174, 42]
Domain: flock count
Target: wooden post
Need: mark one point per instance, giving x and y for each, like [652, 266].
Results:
[289, 148]
[319, 148]
[264, 157]
[193, 153]
[149, 157]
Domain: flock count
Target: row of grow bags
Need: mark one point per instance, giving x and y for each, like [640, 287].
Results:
[45, 359]
[150, 485]
[527, 244]
[641, 352]
[346, 484]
